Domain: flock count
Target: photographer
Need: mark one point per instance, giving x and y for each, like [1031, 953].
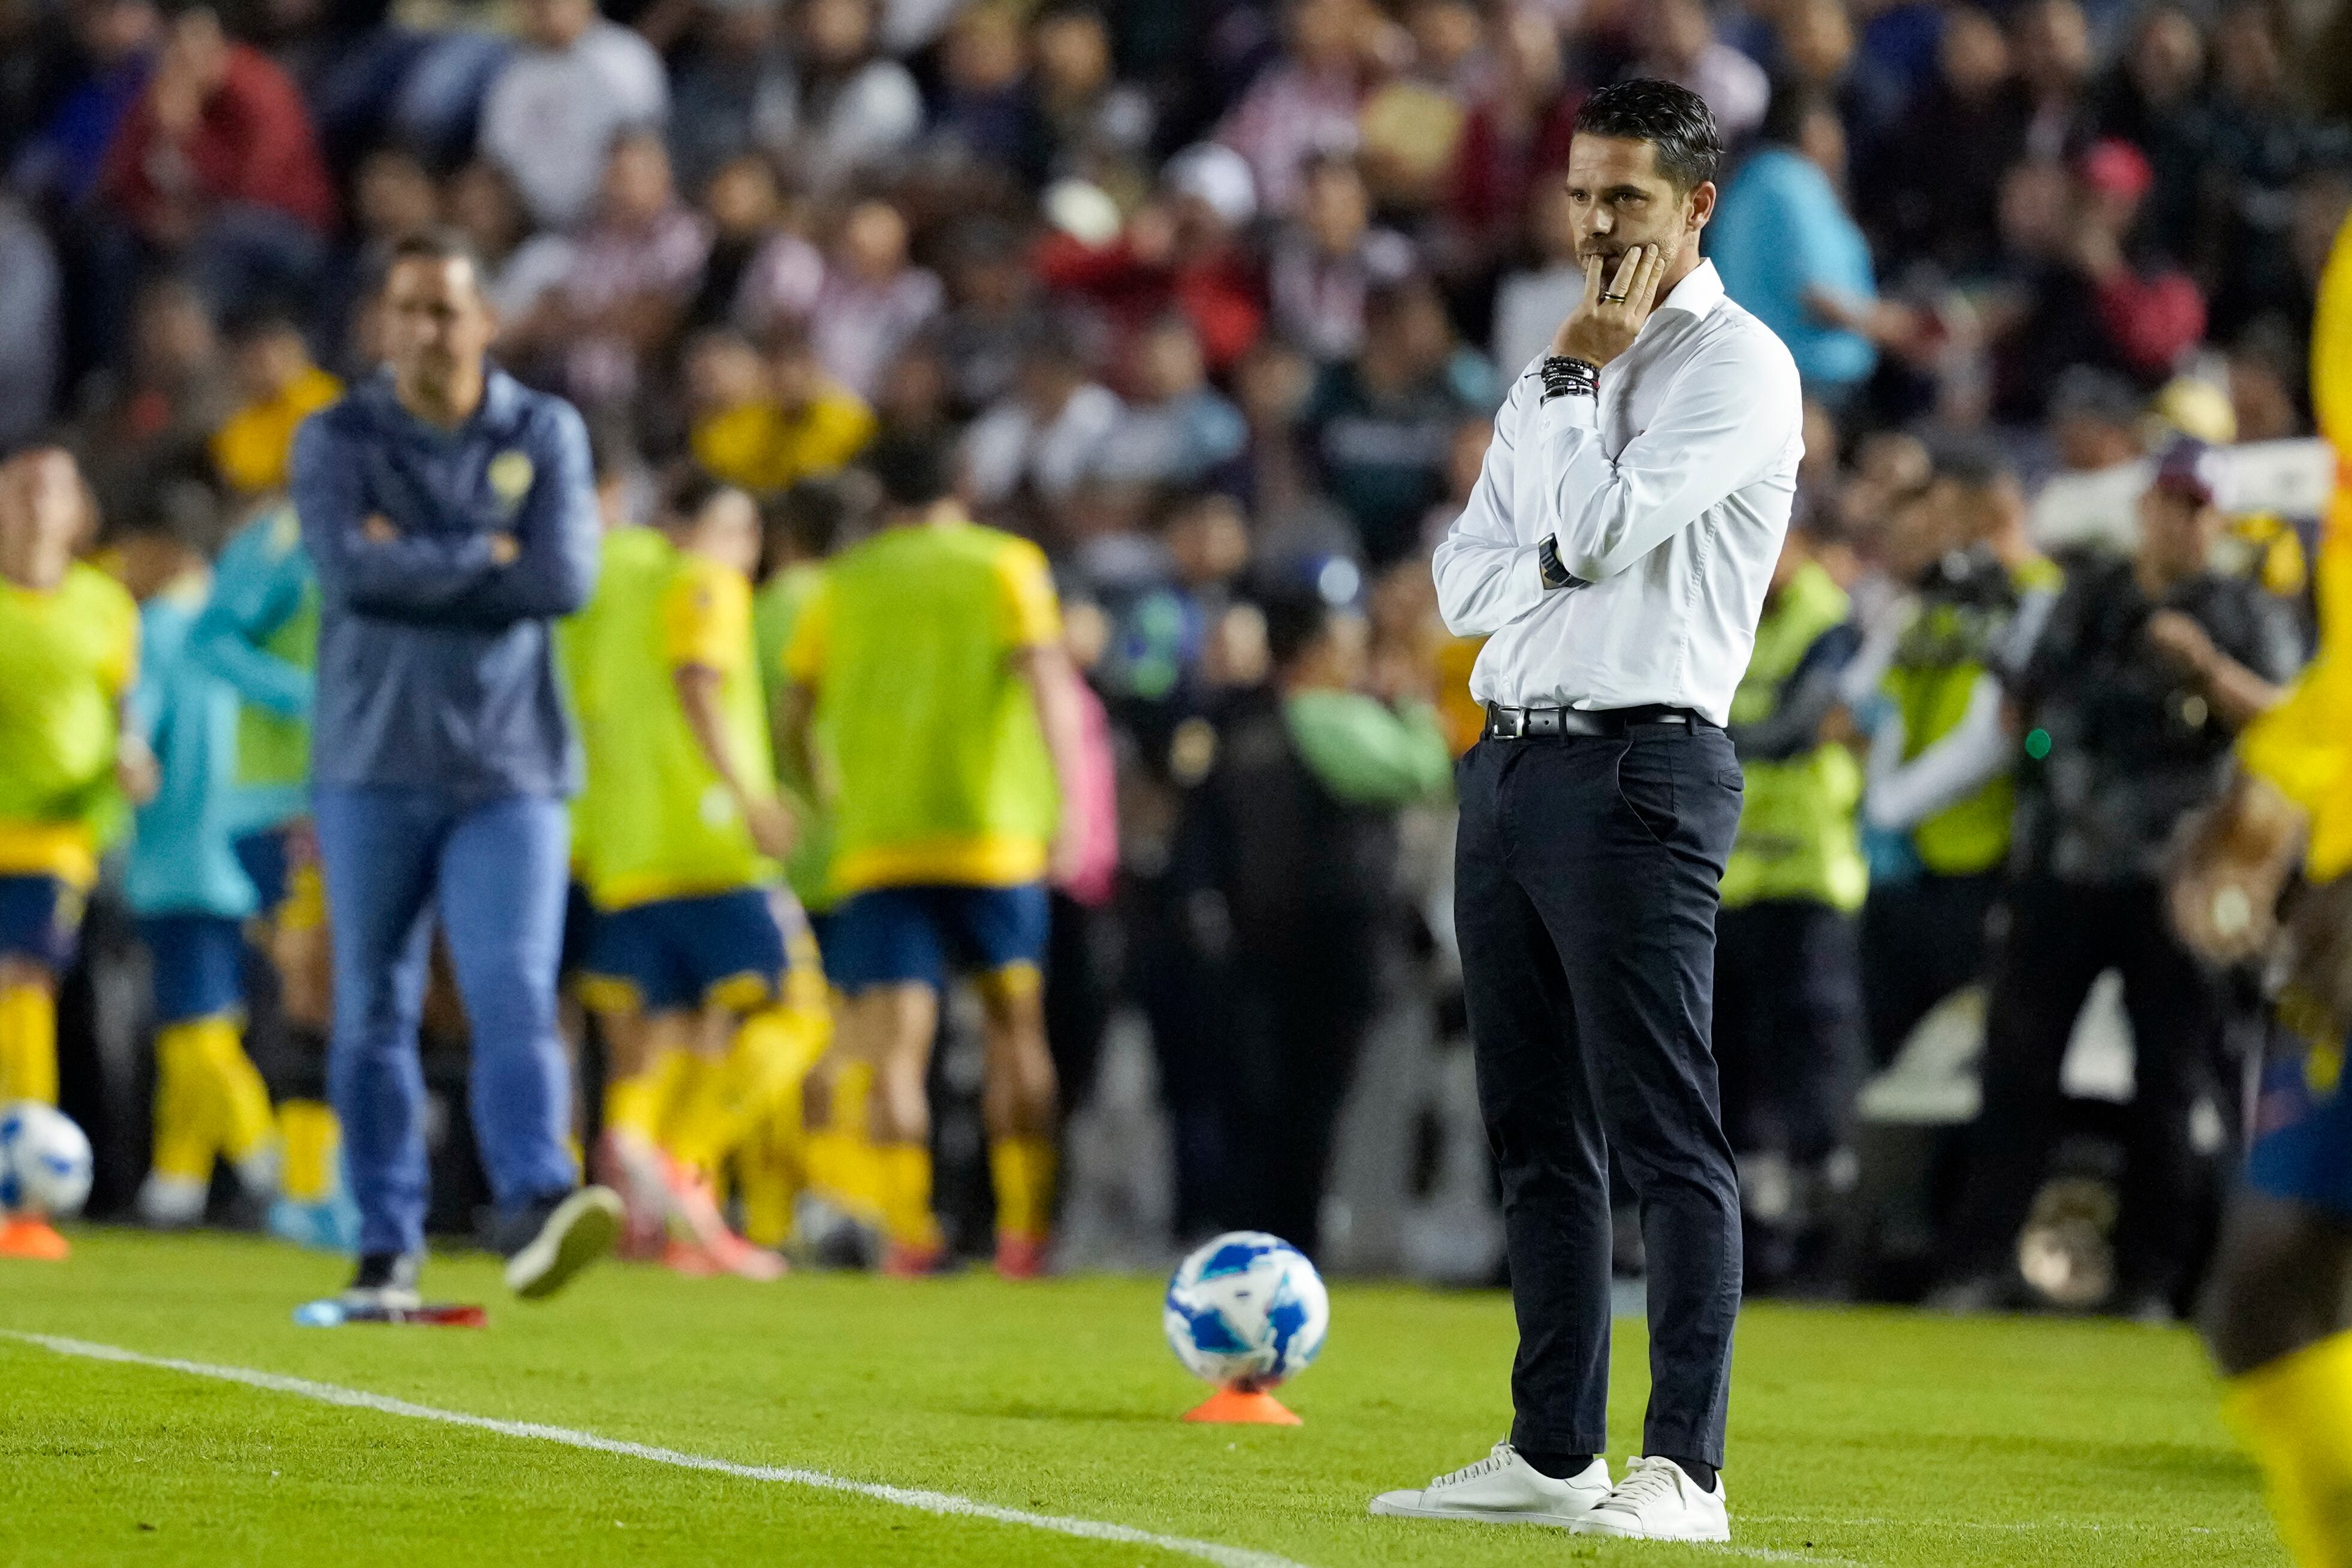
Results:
[2127, 707]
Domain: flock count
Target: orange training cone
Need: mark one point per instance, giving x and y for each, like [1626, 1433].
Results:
[1244, 1407]
[25, 1236]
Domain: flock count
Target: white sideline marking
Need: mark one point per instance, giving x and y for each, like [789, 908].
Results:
[945, 1503]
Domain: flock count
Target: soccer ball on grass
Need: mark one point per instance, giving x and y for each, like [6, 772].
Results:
[44, 1162]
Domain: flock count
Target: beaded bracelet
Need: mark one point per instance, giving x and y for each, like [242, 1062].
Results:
[1566, 377]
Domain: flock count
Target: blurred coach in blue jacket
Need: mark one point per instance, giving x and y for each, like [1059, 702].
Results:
[452, 518]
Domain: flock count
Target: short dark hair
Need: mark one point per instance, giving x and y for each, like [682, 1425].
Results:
[689, 488]
[1296, 616]
[437, 242]
[809, 515]
[914, 471]
[1674, 121]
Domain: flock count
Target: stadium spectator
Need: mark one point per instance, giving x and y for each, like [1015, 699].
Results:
[282, 387]
[393, 195]
[1675, 41]
[1329, 258]
[1531, 302]
[874, 299]
[32, 325]
[519, 264]
[735, 91]
[1380, 426]
[2147, 669]
[1514, 140]
[1305, 105]
[630, 275]
[1182, 250]
[859, 111]
[2095, 296]
[98, 80]
[1177, 429]
[1789, 252]
[157, 411]
[766, 424]
[1045, 437]
[1932, 194]
[993, 310]
[216, 170]
[1299, 820]
[552, 113]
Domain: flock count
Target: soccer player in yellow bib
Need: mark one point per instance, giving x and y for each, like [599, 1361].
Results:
[69, 660]
[682, 828]
[2278, 1318]
[931, 660]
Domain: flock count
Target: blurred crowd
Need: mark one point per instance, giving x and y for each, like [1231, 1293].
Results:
[1215, 300]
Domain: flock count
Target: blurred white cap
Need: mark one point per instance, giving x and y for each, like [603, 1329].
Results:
[1083, 211]
[1218, 176]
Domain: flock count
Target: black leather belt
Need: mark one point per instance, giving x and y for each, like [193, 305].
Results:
[1521, 723]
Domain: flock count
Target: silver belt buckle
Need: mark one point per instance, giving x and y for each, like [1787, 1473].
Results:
[1507, 724]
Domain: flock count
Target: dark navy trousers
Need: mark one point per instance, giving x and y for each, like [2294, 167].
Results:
[1586, 880]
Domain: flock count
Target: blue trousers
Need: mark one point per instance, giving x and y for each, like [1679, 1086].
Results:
[494, 871]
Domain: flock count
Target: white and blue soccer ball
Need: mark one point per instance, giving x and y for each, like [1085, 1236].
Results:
[1247, 1311]
[44, 1162]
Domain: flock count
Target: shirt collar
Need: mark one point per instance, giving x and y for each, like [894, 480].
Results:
[1697, 295]
[502, 398]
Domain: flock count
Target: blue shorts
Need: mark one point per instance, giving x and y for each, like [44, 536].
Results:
[40, 919]
[579, 930]
[725, 948]
[266, 865]
[891, 936]
[198, 962]
[2303, 1133]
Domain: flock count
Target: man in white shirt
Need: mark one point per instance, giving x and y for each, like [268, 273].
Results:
[550, 118]
[1615, 553]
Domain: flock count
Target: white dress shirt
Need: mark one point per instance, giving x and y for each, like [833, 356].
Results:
[1668, 496]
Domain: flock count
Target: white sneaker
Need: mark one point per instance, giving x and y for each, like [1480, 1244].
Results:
[171, 1203]
[1502, 1489]
[1657, 1501]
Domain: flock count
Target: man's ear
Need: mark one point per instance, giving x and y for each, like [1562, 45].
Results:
[1702, 200]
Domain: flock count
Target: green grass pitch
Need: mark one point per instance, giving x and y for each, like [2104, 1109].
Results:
[1858, 1436]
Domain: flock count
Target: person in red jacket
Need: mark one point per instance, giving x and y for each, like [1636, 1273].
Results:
[216, 169]
[1182, 252]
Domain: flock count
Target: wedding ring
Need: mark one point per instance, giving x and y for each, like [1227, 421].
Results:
[1612, 298]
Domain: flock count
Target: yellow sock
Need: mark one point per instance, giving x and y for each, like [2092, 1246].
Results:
[1022, 1171]
[2296, 1414]
[768, 1175]
[313, 1139]
[760, 1073]
[844, 1168]
[184, 1140]
[673, 1071]
[238, 1098]
[28, 1044]
[632, 1105]
[906, 1215]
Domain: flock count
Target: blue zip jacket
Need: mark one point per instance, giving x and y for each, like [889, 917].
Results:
[261, 583]
[183, 861]
[436, 667]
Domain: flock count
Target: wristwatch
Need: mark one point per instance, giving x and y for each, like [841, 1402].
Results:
[1547, 562]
